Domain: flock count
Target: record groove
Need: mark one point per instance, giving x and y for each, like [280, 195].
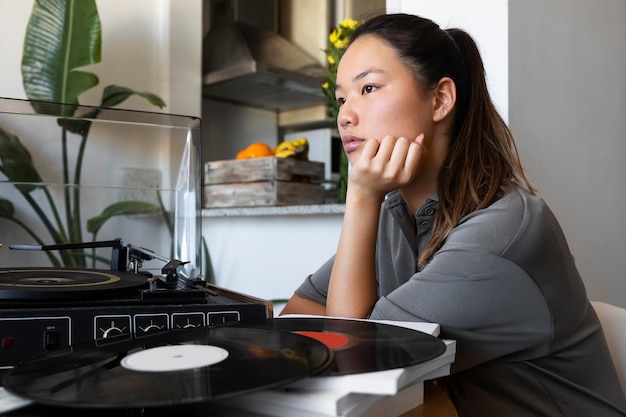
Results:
[63, 283]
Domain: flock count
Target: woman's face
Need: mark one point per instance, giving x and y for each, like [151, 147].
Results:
[378, 96]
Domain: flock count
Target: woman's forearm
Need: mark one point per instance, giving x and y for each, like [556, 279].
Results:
[353, 291]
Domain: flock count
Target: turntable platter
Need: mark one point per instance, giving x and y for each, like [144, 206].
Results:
[61, 283]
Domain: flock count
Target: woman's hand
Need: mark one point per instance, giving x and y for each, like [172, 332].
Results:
[386, 165]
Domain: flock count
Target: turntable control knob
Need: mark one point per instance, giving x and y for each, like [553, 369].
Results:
[188, 321]
[112, 326]
[151, 323]
[112, 331]
[151, 327]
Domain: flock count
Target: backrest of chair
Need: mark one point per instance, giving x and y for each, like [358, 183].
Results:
[613, 321]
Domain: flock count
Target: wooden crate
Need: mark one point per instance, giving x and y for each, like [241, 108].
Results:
[267, 181]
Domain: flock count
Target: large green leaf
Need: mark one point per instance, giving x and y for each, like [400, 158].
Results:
[115, 94]
[118, 209]
[112, 95]
[16, 162]
[62, 35]
[6, 208]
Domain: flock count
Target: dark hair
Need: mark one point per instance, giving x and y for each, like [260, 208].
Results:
[482, 161]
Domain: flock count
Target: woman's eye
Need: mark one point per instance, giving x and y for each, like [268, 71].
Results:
[368, 89]
[341, 100]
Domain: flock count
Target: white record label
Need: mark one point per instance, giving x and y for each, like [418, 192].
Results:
[174, 358]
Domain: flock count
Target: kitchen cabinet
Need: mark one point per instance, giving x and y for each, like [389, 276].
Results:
[268, 252]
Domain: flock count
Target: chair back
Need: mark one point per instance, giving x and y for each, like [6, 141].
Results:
[613, 321]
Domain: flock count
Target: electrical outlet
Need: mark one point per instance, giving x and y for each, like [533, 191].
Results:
[140, 184]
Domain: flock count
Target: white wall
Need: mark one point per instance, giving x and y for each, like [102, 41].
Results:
[568, 110]
[560, 76]
[486, 21]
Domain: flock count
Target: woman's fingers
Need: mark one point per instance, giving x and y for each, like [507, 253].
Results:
[389, 163]
[415, 156]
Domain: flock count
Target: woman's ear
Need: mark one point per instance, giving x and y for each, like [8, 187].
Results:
[445, 98]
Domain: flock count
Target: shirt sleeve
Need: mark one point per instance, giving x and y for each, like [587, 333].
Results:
[315, 286]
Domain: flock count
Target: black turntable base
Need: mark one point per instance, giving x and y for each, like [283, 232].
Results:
[43, 309]
[190, 410]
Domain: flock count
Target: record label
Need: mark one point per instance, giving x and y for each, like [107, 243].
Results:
[333, 340]
[174, 358]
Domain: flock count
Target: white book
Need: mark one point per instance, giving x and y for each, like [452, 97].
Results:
[323, 402]
[360, 405]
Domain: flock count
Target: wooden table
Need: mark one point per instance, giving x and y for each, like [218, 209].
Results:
[436, 404]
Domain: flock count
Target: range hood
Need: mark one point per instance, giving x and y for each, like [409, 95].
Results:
[246, 64]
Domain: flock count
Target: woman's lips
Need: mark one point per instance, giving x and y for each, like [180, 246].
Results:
[350, 143]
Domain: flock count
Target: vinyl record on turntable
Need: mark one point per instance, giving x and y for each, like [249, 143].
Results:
[63, 283]
[176, 368]
[363, 346]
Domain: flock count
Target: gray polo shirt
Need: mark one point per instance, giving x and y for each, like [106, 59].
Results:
[504, 285]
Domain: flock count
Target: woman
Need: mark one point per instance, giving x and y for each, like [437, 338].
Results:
[441, 225]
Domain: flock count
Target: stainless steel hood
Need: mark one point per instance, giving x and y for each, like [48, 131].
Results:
[248, 65]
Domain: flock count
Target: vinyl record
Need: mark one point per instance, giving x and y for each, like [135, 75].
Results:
[364, 346]
[62, 283]
[180, 367]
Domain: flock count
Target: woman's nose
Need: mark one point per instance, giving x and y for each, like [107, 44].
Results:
[346, 116]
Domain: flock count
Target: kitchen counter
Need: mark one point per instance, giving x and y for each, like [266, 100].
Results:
[312, 209]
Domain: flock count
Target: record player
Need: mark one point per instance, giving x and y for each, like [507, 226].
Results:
[43, 309]
[120, 289]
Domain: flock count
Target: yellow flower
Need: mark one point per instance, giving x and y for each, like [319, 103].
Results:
[338, 40]
[350, 24]
[341, 44]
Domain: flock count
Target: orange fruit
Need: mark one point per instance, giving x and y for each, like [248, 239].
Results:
[255, 150]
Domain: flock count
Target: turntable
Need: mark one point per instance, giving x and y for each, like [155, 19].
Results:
[43, 309]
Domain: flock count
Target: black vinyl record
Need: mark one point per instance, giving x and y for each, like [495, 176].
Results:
[364, 346]
[176, 368]
[63, 283]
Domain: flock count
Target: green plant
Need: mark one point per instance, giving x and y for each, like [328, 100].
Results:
[62, 36]
[337, 43]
